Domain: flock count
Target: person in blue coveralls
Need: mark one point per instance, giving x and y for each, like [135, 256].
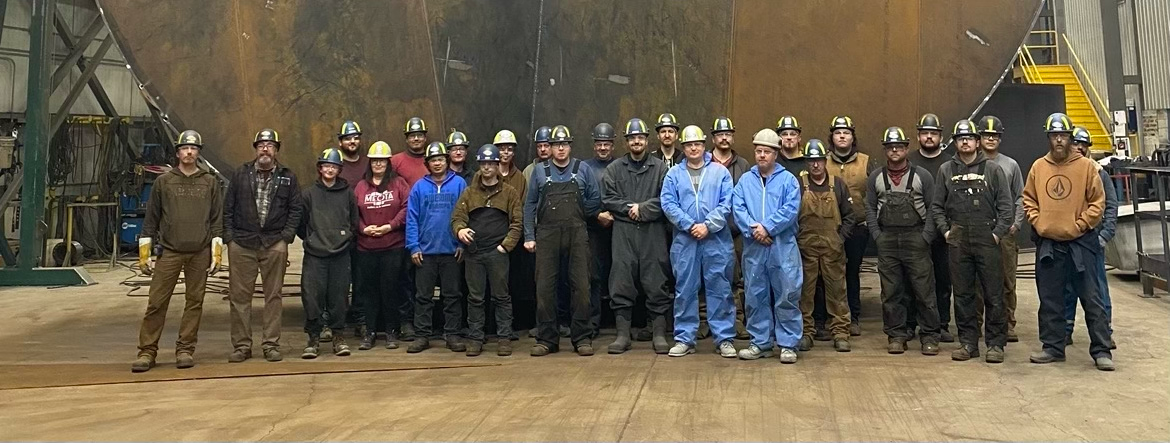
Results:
[766, 202]
[696, 198]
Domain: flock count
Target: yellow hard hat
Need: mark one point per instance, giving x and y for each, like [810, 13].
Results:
[379, 149]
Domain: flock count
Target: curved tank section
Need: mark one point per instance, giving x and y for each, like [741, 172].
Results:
[230, 68]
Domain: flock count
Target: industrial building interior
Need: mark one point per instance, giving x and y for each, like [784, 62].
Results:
[98, 91]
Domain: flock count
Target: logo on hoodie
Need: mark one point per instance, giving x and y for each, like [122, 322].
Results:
[376, 200]
[1059, 187]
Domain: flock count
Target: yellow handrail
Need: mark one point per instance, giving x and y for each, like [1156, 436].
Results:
[1027, 61]
[1055, 46]
[1089, 81]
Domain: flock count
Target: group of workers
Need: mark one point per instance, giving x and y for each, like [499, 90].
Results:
[698, 242]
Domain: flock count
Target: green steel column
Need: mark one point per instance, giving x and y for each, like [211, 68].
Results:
[36, 133]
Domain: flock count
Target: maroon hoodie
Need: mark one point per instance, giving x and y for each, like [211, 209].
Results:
[380, 208]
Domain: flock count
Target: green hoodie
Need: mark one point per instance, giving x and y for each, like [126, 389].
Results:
[184, 212]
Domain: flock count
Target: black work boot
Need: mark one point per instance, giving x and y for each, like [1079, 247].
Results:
[661, 345]
[622, 342]
[367, 338]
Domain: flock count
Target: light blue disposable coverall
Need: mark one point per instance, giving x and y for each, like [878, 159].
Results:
[772, 274]
[710, 259]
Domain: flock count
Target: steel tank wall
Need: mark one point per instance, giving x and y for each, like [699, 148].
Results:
[229, 68]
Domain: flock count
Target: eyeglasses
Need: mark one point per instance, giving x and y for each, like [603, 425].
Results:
[897, 147]
[965, 138]
[991, 136]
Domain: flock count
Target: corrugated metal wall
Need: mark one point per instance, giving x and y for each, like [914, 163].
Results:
[1083, 27]
[1154, 42]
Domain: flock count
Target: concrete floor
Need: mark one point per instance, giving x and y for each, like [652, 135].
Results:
[52, 334]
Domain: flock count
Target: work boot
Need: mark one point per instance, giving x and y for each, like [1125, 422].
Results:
[184, 360]
[1043, 356]
[312, 348]
[1112, 344]
[945, 336]
[474, 349]
[661, 346]
[539, 350]
[841, 344]
[392, 340]
[753, 352]
[727, 350]
[340, 349]
[644, 334]
[1012, 337]
[805, 343]
[896, 345]
[680, 349]
[741, 333]
[822, 334]
[622, 342]
[407, 331]
[1068, 339]
[367, 342]
[326, 335]
[273, 355]
[455, 344]
[238, 355]
[787, 356]
[585, 349]
[994, 355]
[142, 364]
[1104, 363]
[504, 348]
[930, 348]
[855, 328]
[965, 352]
[418, 345]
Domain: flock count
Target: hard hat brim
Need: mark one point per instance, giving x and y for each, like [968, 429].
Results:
[765, 143]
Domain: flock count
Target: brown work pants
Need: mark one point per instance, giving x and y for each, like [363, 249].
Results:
[194, 267]
[827, 265]
[245, 265]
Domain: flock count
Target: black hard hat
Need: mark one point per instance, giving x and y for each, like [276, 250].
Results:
[722, 124]
[842, 122]
[990, 124]
[929, 122]
[560, 134]
[964, 127]
[666, 120]
[603, 132]
[266, 135]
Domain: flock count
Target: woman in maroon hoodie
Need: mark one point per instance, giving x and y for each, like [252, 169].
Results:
[381, 256]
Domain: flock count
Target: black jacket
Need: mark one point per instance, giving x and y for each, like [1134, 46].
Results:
[330, 220]
[241, 223]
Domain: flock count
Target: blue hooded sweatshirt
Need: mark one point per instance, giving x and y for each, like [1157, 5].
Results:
[429, 207]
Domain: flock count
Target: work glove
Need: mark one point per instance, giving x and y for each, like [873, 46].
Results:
[216, 255]
[145, 259]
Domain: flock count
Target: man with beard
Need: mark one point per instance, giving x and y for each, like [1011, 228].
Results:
[410, 164]
[1064, 200]
[631, 191]
[723, 133]
[930, 156]
[667, 128]
[897, 205]
[261, 213]
[972, 208]
[457, 152]
[854, 167]
[562, 195]
[543, 149]
[791, 152]
[354, 165]
[600, 229]
[185, 213]
[990, 133]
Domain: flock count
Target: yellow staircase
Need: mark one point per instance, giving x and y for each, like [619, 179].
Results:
[1082, 109]
[1076, 101]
